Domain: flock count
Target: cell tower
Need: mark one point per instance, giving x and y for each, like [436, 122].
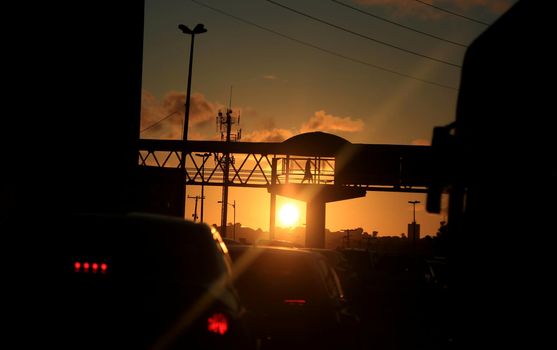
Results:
[224, 125]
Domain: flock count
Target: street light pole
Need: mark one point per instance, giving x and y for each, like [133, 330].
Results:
[204, 156]
[414, 209]
[413, 228]
[199, 29]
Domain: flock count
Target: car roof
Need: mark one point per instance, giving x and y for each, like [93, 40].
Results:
[264, 248]
[277, 243]
[144, 246]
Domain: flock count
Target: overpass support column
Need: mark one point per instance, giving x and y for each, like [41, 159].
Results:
[273, 198]
[272, 216]
[315, 223]
[316, 196]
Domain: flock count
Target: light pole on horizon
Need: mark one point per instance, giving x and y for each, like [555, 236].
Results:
[233, 205]
[204, 156]
[199, 29]
[413, 228]
[414, 209]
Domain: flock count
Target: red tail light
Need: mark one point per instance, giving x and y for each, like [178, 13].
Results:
[86, 266]
[217, 323]
[295, 301]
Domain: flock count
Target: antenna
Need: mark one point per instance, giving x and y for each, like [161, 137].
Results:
[224, 125]
[230, 100]
[225, 120]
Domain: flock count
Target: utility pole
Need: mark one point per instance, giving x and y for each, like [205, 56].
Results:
[234, 229]
[233, 205]
[224, 122]
[224, 210]
[194, 215]
[204, 156]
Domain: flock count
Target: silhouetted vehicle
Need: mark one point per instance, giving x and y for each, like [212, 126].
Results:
[334, 257]
[501, 203]
[293, 299]
[138, 281]
[349, 280]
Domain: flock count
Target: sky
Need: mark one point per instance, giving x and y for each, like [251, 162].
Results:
[291, 66]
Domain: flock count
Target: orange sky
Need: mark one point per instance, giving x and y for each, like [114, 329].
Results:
[387, 213]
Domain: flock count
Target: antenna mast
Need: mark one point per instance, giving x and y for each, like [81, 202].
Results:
[230, 100]
[224, 125]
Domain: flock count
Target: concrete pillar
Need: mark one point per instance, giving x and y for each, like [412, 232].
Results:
[272, 216]
[315, 224]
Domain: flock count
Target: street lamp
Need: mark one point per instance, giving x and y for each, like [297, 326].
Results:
[199, 29]
[233, 205]
[413, 228]
[414, 209]
[204, 156]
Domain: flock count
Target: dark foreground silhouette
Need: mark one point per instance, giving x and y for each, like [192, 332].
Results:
[497, 161]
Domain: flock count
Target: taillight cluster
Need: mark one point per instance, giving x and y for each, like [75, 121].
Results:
[90, 267]
[217, 323]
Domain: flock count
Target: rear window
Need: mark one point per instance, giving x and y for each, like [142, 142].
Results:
[276, 276]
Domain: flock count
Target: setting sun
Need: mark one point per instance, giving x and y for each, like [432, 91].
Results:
[288, 215]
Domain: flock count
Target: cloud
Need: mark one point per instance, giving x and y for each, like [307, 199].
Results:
[270, 77]
[267, 135]
[414, 8]
[201, 110]
[247, 113]
[320, 121]
[164, 119]
[327, 122]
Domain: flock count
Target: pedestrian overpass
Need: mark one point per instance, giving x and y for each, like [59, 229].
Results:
[313, 167]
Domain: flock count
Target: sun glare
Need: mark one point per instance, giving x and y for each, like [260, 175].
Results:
[288, 215]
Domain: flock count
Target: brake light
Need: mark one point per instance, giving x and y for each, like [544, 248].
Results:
[217, 323]
[87, 266]
[295, 301]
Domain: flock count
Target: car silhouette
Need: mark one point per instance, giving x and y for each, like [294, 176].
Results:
[293, 298]
[137, 281]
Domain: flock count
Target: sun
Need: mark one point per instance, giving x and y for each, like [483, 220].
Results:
[288, 215]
